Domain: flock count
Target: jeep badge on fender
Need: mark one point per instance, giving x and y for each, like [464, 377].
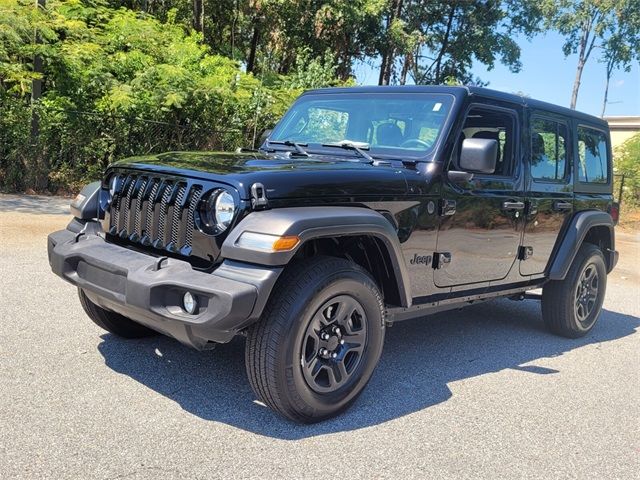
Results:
[308, 246]
[420, 260]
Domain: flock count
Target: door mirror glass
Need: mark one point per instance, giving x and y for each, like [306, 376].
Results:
[479, 155]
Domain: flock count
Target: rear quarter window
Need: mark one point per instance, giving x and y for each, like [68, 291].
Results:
[593, 156]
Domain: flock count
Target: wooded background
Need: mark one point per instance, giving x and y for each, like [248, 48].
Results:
[127, 77]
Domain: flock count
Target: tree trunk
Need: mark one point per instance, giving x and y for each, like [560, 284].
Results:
[445, 45]
[251, 60]
[606, 86]
[344, 64]
[408, 58]
[583, 54]
[383, 67]
[576, 83]
[198, 15]
[389, 53]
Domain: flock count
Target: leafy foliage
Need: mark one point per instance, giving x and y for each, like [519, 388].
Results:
[610, 26]
[627, 163]
[119, 83]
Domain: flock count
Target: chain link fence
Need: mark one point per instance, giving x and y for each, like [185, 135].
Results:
[73, 147]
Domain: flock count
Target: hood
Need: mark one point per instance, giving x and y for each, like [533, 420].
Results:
[282, 177]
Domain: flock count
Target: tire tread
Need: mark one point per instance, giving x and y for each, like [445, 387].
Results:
[557, 312]
[263, 339]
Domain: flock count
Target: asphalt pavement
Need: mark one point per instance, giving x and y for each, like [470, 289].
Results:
[484, 392]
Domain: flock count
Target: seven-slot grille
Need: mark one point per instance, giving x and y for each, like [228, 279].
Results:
[155, 212]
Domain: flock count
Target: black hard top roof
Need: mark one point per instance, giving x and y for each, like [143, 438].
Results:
[465, 92]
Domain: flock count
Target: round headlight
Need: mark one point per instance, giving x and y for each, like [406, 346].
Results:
[225, 207]
[219, 209]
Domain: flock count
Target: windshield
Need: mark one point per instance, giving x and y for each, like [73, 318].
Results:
[404, 125]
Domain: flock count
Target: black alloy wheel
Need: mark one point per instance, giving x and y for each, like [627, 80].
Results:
[334, 344]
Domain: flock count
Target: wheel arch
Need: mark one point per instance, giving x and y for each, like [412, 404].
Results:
[590, 226]
[339, 231]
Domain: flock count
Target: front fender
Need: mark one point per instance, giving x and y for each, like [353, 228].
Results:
[317, 222]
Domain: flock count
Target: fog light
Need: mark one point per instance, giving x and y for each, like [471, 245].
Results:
[189, 303]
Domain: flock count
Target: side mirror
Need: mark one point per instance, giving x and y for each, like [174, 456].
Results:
[479, 155]
[263, 136]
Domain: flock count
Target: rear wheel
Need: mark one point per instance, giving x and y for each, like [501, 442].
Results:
[113, 322]
[319, 340]
[571, 307]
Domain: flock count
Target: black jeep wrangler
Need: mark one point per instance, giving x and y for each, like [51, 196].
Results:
[363, 207]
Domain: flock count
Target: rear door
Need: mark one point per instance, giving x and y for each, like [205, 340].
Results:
[550, 187]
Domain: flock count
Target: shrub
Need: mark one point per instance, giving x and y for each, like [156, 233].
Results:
[118, 83]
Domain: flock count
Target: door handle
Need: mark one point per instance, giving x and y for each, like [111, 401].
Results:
[559, 205]
[513, 205]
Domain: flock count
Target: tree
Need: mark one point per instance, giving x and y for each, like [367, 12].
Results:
[441, 40]
[621, 44]
[584, 24]
[394, 28]
[627, 163]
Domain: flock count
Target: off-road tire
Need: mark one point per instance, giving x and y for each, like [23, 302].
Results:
[275, 348]
[559, 298]
[112, 322]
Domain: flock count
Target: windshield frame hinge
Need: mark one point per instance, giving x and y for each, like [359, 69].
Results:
[259, 200]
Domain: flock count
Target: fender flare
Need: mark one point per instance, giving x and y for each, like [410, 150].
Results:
[86, 205]
[573, 237]
[317, 222]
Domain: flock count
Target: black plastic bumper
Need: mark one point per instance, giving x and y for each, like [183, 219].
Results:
[149, 290]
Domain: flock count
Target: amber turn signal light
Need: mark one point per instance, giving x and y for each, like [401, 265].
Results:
[283, 244]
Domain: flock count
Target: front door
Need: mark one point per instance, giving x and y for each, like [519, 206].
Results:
[481, 219]
[550, 202]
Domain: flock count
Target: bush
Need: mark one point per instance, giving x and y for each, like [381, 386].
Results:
[627, 163]
[118, 83]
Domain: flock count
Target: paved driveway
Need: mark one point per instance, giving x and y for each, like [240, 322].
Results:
[481, 393]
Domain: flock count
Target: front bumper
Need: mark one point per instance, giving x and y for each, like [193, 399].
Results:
[149, 289]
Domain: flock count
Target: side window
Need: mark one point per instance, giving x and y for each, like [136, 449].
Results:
[494, 125]
[548, 150]
[593, 156]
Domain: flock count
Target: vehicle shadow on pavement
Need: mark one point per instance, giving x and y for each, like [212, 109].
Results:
[420, 358]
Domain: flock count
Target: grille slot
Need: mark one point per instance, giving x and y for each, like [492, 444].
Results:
[160, 241]
[137, 229]
[153, 211]
[177, 213]
[122, 228]
[196, 193]
[148, 218]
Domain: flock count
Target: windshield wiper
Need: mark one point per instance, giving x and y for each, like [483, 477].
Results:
[290, 143]
[356, 147]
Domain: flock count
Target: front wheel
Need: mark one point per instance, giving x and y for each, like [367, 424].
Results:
[319, 340]
[571, 307]
[112, 322]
